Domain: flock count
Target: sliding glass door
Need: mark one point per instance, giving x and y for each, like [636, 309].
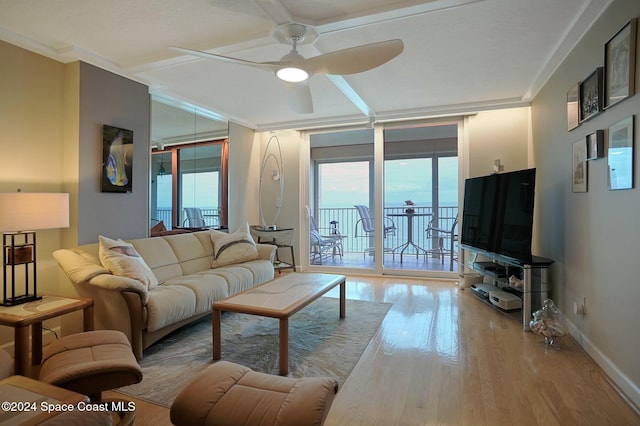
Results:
[390, 194]
[421, 195]
[342, 178]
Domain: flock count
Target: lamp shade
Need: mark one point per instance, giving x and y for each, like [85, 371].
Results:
[30, 211]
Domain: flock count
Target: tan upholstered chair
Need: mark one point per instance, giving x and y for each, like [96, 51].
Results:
[230, 394]
[90, 363]
[87, 363]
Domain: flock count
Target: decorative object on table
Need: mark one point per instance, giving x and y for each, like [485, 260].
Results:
[595, 145]
[620, 154]
[271, 171]
[21, 214]
[117, 159]
[579, 174]
[619, 63]
[573, 107]
[334, 227]
[548, 323]
[591, 95]
[515, 282]
[409, 207]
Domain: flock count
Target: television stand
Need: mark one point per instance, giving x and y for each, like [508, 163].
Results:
[525, 278]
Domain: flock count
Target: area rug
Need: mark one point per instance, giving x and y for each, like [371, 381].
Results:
[320, 344]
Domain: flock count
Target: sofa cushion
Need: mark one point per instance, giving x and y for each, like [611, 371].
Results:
[159, 256]
[207, 289]
[262, 270]
[122, 259]
[238, 278]
[233, 248]
[169, 304]
[194, 252]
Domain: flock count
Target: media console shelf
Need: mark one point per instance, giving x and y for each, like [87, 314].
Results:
[531, 274]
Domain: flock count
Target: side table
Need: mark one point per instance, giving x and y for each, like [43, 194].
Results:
[20, 317]
[279, 237]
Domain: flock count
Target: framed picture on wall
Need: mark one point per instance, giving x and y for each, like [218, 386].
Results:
[579, 169]
[591, 95]
[573, 107]
[117, 159]
[619, 65]
[620, 154]
[595, 145]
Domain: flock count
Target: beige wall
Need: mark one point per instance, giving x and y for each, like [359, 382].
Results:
[52, 116]
[244, 163]
[593, 236]
[499, 134]
[31, 117]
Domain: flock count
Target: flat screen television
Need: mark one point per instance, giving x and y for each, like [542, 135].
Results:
[515, 226]
[478, 217]
[498, 213]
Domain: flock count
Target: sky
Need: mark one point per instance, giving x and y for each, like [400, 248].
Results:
[199, 190]
[343, 185]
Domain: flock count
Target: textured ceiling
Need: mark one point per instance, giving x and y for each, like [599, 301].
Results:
[459, 56]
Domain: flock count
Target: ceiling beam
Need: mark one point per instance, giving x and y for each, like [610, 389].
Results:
[351, 94]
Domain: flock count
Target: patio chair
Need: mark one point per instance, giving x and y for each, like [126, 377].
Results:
[194, 219]
[367, 225]
[323, 242]
[449, 234]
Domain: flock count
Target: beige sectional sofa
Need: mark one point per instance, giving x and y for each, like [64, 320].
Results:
[186, 282]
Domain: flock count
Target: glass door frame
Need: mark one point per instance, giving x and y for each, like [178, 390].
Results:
[377, 195]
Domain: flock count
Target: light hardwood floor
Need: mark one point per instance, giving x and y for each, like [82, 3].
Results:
[443, 357]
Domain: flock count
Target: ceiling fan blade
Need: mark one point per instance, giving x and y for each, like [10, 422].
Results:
[355, 59]
[273, 66]
[299, 97]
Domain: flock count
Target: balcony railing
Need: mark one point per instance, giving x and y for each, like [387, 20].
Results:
[347, 219]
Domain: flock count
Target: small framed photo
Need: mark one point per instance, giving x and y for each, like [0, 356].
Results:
[619, 64]
[620, 154]
[573, 107]
[591, 95]
[579, 175]
[595, 145]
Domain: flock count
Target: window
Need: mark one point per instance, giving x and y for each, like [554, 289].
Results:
[190, 176]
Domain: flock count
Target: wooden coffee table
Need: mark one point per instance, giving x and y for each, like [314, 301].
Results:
[279, 298]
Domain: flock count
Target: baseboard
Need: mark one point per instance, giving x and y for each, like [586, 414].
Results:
[48, 336]
[628, 390]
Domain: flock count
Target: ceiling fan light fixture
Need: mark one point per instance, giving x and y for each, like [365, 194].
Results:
[292, 74]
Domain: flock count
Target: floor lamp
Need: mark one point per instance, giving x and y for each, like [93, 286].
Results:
[21, 214]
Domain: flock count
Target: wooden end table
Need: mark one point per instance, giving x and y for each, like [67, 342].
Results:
[279, 298]
[20, 317]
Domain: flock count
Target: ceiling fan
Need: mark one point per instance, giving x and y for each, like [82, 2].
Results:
[295, 70]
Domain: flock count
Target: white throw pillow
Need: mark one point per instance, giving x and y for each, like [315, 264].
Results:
[233, 248]
[122, 259]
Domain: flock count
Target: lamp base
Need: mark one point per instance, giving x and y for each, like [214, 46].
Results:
[19, 300]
